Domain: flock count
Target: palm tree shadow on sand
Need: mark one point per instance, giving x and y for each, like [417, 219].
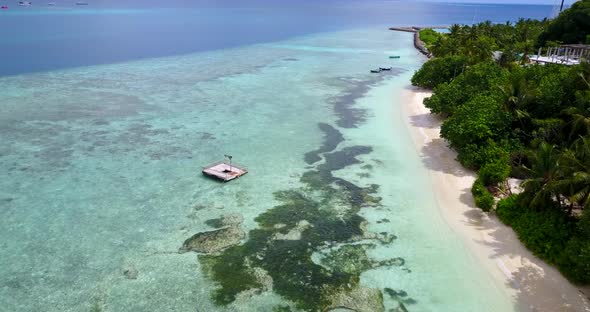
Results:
[529, 279]
[437, 156]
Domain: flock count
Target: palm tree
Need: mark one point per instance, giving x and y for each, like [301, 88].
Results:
[517, 95]
[580, 121]
[574, 171]
[486, 28]
[483, 48]
[580, 113]
[525, 38]
[444, 46]
[455, 30]
[540, 188]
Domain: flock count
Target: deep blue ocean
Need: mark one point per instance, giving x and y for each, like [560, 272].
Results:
[41, 37]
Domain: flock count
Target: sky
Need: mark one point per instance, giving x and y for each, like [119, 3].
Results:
[550, 2]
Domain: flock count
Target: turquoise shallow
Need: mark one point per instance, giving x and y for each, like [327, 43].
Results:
[101, 180]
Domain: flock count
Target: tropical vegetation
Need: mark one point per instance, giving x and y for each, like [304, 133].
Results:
[507, 118]
[428, 36]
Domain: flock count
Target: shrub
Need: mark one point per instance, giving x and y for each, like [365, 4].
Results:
[575, 261]
[439, 70]
[507, 210]
[478, 121]
[494, 172]
[545, 232]
[551, 235]
[483, 198]
[475, 80]
[474, 157]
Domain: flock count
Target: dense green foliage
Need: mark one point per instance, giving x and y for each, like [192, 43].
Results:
[439, 70]
[551, 235]
[494, 172]
[478, 42]
[483, 198]
[505, 118]
[545, 232]
[571, 26]
[474, 81]
[429, 36]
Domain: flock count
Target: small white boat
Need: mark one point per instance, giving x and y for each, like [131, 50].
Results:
[24, 3]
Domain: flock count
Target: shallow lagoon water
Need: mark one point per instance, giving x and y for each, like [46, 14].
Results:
[101, 170]
[102, 173]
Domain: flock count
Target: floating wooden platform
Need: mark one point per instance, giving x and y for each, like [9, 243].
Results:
[224, 172]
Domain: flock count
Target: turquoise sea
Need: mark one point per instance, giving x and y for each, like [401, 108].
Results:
[103, 206]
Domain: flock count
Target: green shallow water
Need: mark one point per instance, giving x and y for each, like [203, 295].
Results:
[101, 170]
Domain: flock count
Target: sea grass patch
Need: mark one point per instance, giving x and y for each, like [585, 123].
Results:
[332, 137]
[320, 219]
[313, 219]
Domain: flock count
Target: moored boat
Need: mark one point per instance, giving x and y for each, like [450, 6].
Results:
[385, 68]
[394, 56]
[375, 71]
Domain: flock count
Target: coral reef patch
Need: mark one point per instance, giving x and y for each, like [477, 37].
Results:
[213, 241]
[311, 248]
[332, 137]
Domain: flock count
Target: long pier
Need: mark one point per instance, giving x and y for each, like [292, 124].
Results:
[417, 28]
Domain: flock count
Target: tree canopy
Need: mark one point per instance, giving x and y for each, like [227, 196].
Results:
[505, 117]
[571, 26]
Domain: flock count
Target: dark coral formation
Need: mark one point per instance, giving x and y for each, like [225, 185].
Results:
[225, 221]
[332, 137]
[357, 299]
[348, 115]
[320, 219]
[289, 261]
[229, 234]
[401, 297]
[353, 259]
[213, 241]
[290, 233]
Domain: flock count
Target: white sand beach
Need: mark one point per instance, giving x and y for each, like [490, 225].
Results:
[533, 284]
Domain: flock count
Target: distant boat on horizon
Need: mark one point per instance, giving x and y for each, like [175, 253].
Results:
[51, 3]
[4, 7]
[81, 3]
[24, 3]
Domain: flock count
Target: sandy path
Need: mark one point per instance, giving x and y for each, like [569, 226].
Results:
[534, 285]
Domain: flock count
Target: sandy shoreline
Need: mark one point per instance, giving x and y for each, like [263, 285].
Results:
[533, 285]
